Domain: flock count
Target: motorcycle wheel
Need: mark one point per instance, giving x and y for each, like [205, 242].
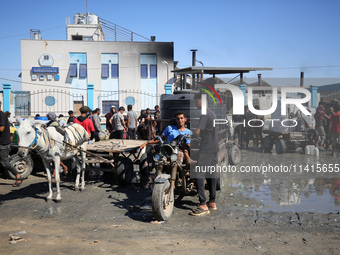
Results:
[161, 206]
[125, 171]
[280, 146]
[23, 166]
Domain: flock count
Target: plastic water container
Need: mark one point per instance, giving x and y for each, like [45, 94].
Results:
[316, 152]
[41, 118]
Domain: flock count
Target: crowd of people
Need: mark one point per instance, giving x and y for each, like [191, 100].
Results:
[119, 124]
[326, 131]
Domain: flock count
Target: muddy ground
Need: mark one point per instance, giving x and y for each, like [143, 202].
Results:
[108, 219]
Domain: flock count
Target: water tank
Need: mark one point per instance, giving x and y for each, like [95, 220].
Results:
[92, 19]
[79, 18]
[184, 100]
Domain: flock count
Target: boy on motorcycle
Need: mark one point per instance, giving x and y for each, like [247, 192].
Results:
[171, 132]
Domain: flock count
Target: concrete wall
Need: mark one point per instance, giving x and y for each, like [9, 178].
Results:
[129, 54]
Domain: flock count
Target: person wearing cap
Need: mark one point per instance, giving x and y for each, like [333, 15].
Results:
[110, 126]
[52, 117]
[85, 121]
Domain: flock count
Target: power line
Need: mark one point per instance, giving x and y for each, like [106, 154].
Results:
[27, 33]
[66, 87]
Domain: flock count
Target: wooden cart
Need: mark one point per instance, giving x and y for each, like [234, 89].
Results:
[115, 155]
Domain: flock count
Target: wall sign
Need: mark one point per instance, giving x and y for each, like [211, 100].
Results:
[45, 69]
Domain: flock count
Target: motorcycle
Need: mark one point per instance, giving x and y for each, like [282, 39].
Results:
[171, 174]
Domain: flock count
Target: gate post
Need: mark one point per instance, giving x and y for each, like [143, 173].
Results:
[314, 96]
[243, 87]
[6, 90]
[90, 88]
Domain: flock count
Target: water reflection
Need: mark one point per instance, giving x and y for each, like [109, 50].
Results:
[303, 191]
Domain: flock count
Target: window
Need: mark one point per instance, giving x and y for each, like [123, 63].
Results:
[83, 71]
[153, 71]
[106, 105]
[105, 70]
[114, 71]
[87, 38]
[144, 71]
[46, 57]
[77, 37]
[73, 70]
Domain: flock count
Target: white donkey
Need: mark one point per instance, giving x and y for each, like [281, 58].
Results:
[49, 143]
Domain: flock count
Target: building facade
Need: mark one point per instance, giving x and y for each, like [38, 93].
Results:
[118, 72]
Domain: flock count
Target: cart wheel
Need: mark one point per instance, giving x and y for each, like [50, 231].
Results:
[124, 171]
[267, 144]
[234, 155]
[280, 146]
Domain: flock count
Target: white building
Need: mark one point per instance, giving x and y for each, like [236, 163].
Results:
[121, 72]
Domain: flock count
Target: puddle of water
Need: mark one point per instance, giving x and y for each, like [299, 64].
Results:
[298, 191]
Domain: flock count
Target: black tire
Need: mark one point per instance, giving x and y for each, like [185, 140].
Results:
[161, 206]
[124, 171]
[267, 144]
[23, 166]
[143, 163]
[234, 155]
[280, 146]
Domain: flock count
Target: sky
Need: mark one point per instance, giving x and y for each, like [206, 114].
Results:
[290, 36]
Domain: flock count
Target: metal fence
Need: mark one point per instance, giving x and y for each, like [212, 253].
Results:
[138, 99]
[30, 103]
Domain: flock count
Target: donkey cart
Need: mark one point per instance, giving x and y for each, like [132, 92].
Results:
[114, 155]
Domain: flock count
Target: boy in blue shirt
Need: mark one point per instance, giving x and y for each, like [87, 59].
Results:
[171, 132]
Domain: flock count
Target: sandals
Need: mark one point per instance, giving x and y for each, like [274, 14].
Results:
[199, 211]
[17, 184]
[212, 205]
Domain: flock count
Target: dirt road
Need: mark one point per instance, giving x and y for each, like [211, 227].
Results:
[108, 219]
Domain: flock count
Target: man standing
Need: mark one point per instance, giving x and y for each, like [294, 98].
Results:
[248, 131]
[96, 123]
[5, 148]
[85, 121]
[131, 122]
[157, 112]
[71, 117]
[207, 157]
[118, 119]
[319, 117]
[109, 125]
[335, 130]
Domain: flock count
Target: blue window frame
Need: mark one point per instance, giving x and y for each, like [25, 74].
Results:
[105, 70]
[83, 71]
[73, 70]
[114, 70]
[153, 71]
[144, 71]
